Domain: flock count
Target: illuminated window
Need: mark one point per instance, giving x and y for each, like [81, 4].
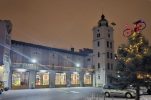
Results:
[1, 72]
[42, 78]
[60, 79]
[87, 78]
[20, 78]
[75, 78]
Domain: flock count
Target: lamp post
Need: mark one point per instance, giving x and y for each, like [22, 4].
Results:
[33, 60]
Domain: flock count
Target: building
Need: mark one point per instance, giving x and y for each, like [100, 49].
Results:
[5, 45]
[27, 65]
[39, 66]
[103, 52]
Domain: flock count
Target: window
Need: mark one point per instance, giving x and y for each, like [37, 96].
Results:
[88, 59]
[108, 30]
[110, 44]
[98, 65]
[20, 79]
[98, 35]
[111, 55]
[42, 78]
[98, 54]
[107, 43]
[108, 35]
[60, 79]
[99, 77]
[108, 55]
[87, 78]
[108, 66]
[75, 78]
[98, 43]
[111, 66]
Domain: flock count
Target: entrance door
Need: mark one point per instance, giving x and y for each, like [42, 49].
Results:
[60, 80]
[20, 80]
[75, 79]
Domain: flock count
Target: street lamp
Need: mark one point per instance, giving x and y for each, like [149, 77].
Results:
[77, 65]
[33, 60]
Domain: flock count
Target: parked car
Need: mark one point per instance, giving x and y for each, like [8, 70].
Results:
[119, 90]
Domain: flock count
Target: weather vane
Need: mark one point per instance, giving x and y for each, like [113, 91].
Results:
[138, 27]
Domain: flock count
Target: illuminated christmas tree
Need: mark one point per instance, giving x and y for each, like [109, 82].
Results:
[134, 59]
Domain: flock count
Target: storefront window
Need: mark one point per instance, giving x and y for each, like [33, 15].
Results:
[20, 78]
[75, 78]
[60, 79]
[42, 78]
[1, 73]
[87, 78]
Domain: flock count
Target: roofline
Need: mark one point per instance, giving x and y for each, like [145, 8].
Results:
[48, 48]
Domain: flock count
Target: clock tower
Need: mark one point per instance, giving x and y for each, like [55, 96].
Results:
[103, 52]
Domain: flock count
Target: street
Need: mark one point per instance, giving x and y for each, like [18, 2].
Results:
[74, 93]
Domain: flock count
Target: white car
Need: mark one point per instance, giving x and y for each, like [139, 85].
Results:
[118, 90]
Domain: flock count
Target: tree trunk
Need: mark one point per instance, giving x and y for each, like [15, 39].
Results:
[137, 92]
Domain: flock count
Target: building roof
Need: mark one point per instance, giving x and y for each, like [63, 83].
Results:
[50, 48]
[103, 21]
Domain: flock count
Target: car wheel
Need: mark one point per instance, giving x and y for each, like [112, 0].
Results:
[128, 95]
[107, 94]
[0, 92]
[6, 89]
[149, 91]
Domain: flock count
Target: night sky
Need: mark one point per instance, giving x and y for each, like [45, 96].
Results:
[69, 23]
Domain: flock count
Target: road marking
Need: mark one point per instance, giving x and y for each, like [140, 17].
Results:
[74, 92]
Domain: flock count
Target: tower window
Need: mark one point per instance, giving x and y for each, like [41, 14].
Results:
[99, 77]
[111, 55]
[98, 35]
[98, 54]
[111, 66]
[98, 43]
[98, 65]
[107, 43]
[108, 35]
[108, 66]
[110, 44]
[88, 59]
[108, 55]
